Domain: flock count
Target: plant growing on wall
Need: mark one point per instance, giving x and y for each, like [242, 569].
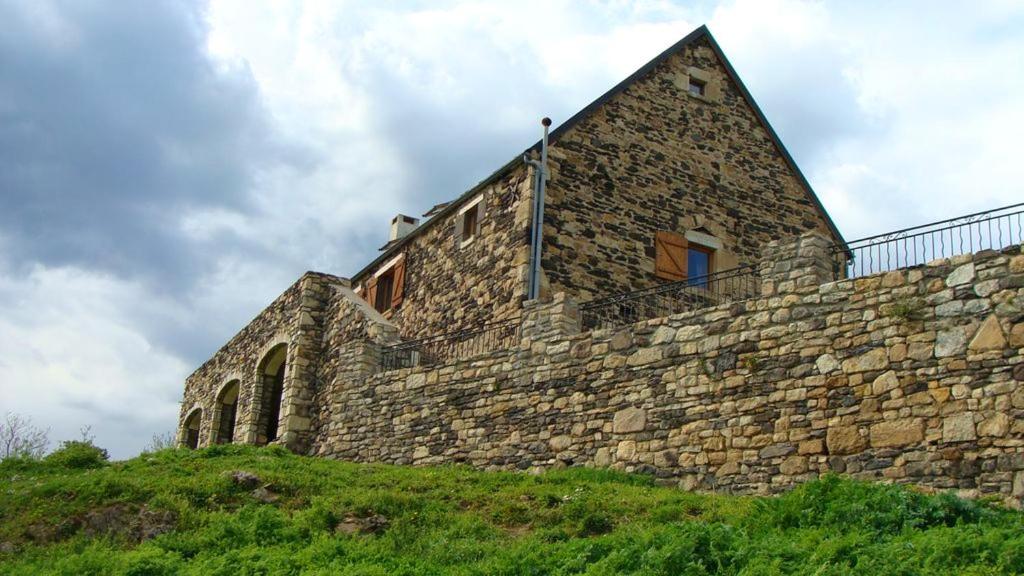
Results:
[751, 364]
[905, 309]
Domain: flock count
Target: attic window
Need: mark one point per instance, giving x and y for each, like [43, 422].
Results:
[467, 223]
[697, 87]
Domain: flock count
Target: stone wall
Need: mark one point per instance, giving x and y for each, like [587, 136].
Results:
[911, 376]
[296, 320]
[451, 287]
[656, 158]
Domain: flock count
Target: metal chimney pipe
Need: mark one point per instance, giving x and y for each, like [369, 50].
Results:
[541, 177]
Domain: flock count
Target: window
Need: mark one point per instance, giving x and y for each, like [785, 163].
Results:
[697, 87]
[469, 223]
[386, 289]
[699, 261]
[677, 259]
[385, 285]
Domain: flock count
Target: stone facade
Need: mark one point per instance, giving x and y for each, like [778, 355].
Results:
[911, 376]
[295, 321]
[450, 286]
[655, 157]
[647, 157]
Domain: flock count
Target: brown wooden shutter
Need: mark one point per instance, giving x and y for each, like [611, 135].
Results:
[398, 284]
[371, 291]
[670, 256]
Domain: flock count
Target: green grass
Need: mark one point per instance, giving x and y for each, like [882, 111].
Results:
[454, 520]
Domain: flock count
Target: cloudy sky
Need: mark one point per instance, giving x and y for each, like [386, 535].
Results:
[168, 167]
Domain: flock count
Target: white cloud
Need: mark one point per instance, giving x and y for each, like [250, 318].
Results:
[74, 356]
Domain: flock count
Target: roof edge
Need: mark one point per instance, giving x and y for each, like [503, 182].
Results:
[561, 129]
[774, 136]
[441, 214]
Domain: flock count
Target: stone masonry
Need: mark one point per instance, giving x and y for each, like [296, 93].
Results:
[911, 376]
[657, 158]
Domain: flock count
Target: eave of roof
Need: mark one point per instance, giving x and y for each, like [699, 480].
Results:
[564, 127]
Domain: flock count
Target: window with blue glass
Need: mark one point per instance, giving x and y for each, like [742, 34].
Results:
[699, 261]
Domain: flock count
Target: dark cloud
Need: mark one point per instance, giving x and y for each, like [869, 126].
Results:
[114, 123]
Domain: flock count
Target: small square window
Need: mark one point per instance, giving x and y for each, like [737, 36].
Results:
[697, 87]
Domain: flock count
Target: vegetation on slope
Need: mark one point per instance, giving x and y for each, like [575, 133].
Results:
[183, 512]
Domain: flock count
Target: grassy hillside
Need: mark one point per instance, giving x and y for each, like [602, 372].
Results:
[180, 512]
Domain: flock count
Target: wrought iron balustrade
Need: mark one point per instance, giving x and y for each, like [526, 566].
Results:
[695, 293]
[992, 229]
[457, 345]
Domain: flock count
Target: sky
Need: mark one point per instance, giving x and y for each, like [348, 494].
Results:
[168, 167]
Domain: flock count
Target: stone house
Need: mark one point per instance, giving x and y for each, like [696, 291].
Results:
[673, 174]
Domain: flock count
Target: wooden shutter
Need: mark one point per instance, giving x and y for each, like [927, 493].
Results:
[458, 230]
[398, 283]
[670, 256]
[481, 210]
[371, 291]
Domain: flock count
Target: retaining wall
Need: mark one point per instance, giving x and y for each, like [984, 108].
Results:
[912, 375]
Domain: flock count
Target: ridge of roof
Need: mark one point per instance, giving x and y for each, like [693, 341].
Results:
[561, 129]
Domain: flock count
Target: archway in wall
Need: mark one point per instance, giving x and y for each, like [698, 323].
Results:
[191, 436]
[271, 373]
[227, 409]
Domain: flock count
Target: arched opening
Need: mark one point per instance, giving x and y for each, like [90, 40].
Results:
[191, 429]
[227, 409]
[271, 373]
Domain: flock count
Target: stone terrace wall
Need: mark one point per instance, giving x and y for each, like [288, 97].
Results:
[912, 376]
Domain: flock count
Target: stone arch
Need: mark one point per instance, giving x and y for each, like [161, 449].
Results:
[224, 415]
[190, 428]
[270, 383]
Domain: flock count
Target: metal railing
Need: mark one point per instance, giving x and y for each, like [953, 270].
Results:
[992, 229]
[695, 293]
[457, 345]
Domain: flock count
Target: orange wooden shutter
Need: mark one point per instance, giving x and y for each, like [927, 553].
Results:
[371, 291]
[398, 286]
[670, 256]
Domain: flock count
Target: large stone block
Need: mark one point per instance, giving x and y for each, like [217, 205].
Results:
[959, 428]
[996, 425]
[961, 275]
[845, 440]
[793, 465]
[897, 433]
[874, 359]
[952, 342]
[884, 383]
[989, 336]
[629, 420]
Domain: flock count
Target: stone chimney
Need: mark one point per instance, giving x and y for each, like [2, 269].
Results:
[402, 225]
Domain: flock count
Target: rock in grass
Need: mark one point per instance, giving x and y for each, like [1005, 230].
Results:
[244, 479]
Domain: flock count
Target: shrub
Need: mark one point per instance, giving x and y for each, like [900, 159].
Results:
[78, 454]
[879, 508]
